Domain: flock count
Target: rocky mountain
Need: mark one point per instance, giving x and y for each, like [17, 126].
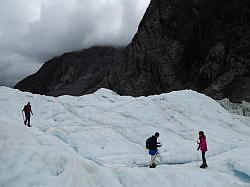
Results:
[180, 44]
[74, 73]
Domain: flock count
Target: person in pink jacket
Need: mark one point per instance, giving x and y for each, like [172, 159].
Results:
[203, 147]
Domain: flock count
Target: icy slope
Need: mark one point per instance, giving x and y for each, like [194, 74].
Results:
[98, 140]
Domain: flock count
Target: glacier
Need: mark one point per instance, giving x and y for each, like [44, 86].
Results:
[99, 140]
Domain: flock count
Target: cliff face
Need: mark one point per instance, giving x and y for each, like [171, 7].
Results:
[75, 73]
[202, 45]
[155, 61]
[198, 44]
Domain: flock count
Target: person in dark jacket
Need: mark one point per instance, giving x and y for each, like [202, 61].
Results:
[203, 147]
[27, 111]
[153, 149]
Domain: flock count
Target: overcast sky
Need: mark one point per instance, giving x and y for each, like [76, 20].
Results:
[33, 31]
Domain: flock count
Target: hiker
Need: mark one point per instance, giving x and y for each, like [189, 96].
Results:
[152, 145]
[27, 111]
[203, 147]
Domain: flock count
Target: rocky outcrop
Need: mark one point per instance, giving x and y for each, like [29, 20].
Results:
[74, 73]
[180, 44]
[202, 45]
[155, 61]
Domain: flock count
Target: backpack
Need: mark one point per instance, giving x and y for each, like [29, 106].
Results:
[27, 108]
[149, 143]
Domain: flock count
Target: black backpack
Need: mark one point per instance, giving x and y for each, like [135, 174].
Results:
[149, 143]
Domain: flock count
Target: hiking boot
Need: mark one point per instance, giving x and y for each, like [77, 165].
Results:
[152, 166]
[203, 166]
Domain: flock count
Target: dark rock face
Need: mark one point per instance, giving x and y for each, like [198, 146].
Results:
[155, 61]
[203, 45]
[75, 73]
[198, 44]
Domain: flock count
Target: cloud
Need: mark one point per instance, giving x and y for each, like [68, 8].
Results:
[15, 67]
[32, 32]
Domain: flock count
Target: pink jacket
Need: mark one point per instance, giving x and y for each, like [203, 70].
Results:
[203, 144]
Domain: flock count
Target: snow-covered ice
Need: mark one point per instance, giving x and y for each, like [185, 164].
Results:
[236, 108]
[99, 140]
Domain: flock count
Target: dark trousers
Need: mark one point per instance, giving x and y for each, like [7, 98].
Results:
[27, 119]
[203, 157]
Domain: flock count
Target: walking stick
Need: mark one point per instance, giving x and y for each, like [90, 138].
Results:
[198, 153]
[197, 158]
[159, 156]
[23, 118]
[22, 115]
